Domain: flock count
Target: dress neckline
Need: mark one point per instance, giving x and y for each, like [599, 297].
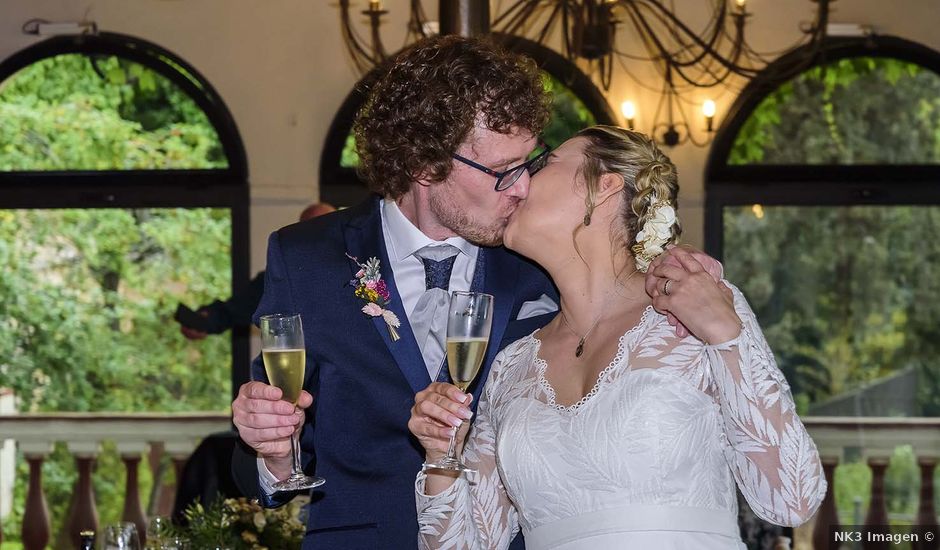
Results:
[542, 366]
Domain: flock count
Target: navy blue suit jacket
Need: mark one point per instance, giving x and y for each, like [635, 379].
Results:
[363, 384]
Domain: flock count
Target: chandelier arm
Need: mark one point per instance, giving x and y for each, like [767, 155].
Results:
[654, 42]
[607, 71]
[659, 106]
[654, 48]
[569, 50]
[650, 38]
[653, 56]
[707, 49]
[552, 20]
[657, 62]
[378, 47]
[499, 18]
[345, 31]
[667, 17]
[715, 27]
[519, 19]
[639, 21]
[361, 58]
[418, 20]
[684, 122]
[356, 42]
[716, 78]
[636, 80]
[694, 141]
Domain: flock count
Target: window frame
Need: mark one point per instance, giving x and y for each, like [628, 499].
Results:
[812, 185]
[188, 188]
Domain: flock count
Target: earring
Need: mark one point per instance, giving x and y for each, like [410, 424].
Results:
[587, 219]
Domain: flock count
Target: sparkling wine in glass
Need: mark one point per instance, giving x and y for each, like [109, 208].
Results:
[468, 331]
[284, 355]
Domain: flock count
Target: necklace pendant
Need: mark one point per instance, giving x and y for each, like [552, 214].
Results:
[578, 352]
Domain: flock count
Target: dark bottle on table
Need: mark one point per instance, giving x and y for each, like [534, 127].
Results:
[87, 540]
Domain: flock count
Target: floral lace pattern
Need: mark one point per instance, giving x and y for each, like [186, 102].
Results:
[672, 422]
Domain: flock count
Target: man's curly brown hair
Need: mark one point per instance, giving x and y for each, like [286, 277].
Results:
[424, 107]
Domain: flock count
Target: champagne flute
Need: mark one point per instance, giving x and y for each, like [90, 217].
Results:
[468, 330]
[284, 354]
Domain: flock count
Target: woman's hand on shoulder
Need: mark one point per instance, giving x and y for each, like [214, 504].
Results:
[694, 296]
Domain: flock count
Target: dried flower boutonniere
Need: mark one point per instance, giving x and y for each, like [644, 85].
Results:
[371, 288]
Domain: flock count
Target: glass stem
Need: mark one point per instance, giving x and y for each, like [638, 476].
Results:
[452, 448]
[295, 470]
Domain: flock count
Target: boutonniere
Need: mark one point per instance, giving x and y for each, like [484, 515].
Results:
[371, 288]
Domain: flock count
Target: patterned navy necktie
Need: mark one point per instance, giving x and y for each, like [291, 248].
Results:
[437, 273]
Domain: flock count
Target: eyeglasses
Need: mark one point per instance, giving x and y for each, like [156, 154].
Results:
[505, 180]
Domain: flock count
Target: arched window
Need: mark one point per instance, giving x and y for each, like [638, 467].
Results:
[576, 104]
[823, 200]
[123, 192]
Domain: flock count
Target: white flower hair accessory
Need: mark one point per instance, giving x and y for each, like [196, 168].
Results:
[656, 233]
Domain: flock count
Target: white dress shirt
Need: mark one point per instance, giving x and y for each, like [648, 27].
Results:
[402, 240]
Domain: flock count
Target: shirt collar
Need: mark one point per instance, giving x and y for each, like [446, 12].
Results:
[408, 239]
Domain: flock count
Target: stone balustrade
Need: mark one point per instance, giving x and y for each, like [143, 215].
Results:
[134, 435]
[876, 438]
[137, 435]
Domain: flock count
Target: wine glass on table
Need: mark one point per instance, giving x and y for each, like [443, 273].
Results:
[121, 536]
[284, 355]
[469, 321]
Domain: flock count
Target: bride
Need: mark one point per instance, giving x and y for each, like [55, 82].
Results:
[606, 430]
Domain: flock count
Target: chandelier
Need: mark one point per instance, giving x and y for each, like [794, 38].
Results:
[596, 34]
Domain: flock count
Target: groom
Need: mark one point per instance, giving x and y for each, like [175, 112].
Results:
[444, 138]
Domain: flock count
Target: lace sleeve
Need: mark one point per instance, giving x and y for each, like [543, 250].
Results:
[772, 457]
[476, 513]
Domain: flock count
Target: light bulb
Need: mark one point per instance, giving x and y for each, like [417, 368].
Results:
[708, 108]
[628, 109]
[740, 3]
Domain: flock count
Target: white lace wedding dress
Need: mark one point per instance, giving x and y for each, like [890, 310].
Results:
[648, 459]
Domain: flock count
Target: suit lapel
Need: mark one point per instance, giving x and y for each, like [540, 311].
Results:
[498, 277]
[364, 239]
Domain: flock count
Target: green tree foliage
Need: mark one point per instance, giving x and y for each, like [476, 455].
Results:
[75, 112]
[87, 295]
[861, 110]
[846, 295]
[87, 303]
[569, 114]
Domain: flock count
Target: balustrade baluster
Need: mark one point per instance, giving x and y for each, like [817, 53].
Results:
[84, 513]
[926, 512]
[36, 528]
[133, 509]
[827, 517]
[877, 509]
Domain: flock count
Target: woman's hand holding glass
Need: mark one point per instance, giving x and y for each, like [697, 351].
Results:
[469, 320]
[438, 409]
